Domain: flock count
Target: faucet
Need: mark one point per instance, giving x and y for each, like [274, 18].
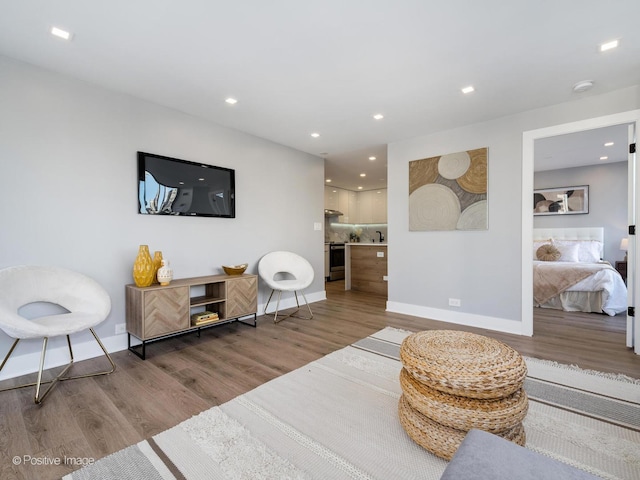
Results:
[380, 236]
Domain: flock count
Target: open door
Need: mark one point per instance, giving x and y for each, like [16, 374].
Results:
[632, 120]
[633, 292]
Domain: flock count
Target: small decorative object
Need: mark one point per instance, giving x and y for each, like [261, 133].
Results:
[165, 273]
[143, 270]
[235, 269]
[157, 263]
[204, 317]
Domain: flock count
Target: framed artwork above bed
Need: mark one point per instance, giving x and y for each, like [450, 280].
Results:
[561, 200]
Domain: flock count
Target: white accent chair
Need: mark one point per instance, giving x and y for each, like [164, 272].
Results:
[87, 303]
[286, 272]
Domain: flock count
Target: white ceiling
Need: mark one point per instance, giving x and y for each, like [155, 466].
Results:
[298, 67]
[582, 148]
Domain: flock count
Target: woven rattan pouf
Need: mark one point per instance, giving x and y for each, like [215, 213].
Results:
[455, 381]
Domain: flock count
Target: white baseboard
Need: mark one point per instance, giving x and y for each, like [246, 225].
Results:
[459, 318]
[86, 347]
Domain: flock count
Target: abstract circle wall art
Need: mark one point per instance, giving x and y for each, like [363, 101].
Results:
[449, 192]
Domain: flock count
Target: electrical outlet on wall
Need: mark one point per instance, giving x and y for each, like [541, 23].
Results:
[454, 302]
[121, 328]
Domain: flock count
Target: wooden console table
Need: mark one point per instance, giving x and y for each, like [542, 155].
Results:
[157, 312]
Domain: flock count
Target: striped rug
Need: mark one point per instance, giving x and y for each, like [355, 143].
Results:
[336, 418]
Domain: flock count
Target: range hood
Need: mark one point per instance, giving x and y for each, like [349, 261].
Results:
[332, 213]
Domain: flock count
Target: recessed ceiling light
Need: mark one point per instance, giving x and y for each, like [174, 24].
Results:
[201, 179]
[231, 101]
[604, 158]
[468, 89]
[359, 188]
[378, 116]
[372, 158]
[583, 86]
[608, 45]
[363, 174]
[608, 144]
[315, 135]
[58, 32]
[328, 180]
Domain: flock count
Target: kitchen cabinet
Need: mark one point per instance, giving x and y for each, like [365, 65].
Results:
[372, 206]
[331, 198]
[379, 206]
[366, 268]
[339, 199]
[357, 207]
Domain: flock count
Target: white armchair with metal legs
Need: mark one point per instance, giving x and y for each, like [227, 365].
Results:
[87, 303]
[286, 272]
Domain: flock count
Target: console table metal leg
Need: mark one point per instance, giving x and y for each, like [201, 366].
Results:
[133, 349]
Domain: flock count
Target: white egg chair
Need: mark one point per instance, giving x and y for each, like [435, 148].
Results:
[286, 272]
[86, 302]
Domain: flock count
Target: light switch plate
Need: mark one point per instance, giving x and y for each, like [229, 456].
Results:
[317, 226]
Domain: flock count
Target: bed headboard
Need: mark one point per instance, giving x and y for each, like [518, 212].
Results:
[571, 233]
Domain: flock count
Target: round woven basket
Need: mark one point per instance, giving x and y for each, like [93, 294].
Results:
[463, 363]
[463, 413]
[439, 439]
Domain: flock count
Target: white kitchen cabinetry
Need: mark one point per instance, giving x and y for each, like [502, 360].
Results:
[331, 198]
[351, 199]
[339, 199]
[365, 207]
[372, 206]
[357, 207]
[379, 206]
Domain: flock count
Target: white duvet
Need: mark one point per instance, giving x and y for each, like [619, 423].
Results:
[607, 280]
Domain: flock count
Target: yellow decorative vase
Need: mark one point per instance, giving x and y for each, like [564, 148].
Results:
[143, 271]
[157, 263]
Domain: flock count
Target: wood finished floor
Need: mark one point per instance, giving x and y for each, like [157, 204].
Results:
[91, 418]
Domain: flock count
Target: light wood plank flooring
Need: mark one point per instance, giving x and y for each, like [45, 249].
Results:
[185, 375]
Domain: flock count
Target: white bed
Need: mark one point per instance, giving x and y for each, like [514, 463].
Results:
[579, 281]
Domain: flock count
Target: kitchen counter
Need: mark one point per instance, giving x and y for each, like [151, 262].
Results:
[367, 244]
[365, 267]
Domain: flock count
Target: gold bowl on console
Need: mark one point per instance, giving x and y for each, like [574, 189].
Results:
[235, 269]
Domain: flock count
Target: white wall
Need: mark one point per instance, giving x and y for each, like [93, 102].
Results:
[481, 268]
[69, 192]
[607, 202]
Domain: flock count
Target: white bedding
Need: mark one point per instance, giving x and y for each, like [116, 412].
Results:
[607, 281]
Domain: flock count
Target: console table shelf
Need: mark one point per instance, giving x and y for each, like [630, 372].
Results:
[157, 312]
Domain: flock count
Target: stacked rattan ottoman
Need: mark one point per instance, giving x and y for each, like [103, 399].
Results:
[455, 381]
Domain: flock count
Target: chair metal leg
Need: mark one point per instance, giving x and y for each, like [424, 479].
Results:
[293, 314]
[61, 376]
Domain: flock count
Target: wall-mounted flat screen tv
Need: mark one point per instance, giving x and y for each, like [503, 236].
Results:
[170, 186]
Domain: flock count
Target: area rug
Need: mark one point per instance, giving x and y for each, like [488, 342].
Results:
[337, 418]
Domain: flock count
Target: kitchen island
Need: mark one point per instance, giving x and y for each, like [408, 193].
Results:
[365, 267]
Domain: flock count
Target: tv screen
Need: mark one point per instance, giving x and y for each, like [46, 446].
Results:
[170, 186]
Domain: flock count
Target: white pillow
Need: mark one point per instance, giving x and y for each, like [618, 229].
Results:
[588, 250]
[568, 252]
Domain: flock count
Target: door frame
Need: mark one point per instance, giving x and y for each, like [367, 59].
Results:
[528, 139]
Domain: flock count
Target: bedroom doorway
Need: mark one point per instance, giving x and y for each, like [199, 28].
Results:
[630, 121]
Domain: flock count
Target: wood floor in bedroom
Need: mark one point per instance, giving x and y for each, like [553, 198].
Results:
[182, 376]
